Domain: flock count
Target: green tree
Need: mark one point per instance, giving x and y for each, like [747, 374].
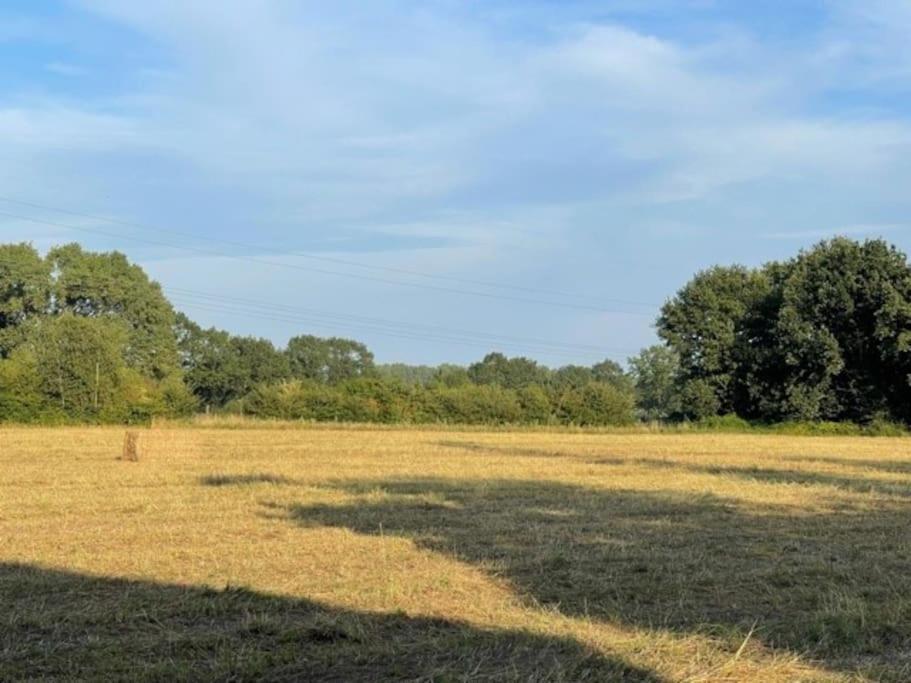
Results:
[655, 372]
[535, 404]
[21, 399]
[449, 375]
[845, 331]
[261, 361]
[25, 283]
[706, 323]
[597, 404]
[211, 363]
[509, 373]
[409, 375]
[329, 360]
[571, 377]
[108, 285]
[79, 362]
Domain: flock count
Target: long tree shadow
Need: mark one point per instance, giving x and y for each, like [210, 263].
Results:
[853, 484]
[58, 625]
[889, 466]
[833, 587]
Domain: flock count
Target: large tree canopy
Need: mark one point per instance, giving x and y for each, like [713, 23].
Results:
[25, 290]
[108, 285]
[826, 335]
[331, 360]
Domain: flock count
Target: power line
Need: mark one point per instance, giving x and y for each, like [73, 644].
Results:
[235, 310]
[327, 259]
[206, 297]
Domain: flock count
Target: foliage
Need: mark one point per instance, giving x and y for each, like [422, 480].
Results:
[821, 339]
[655, 373]
[25, 283]
[509, 373]
[328, 360]
[825, 336]
[409, 375]
[107, 285]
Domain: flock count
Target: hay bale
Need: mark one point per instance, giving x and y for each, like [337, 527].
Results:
[130, 447]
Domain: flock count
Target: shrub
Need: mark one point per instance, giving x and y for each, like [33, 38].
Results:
[597, 404]
[724, 423]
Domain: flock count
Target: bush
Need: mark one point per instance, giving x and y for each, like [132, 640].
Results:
[535, 404]
[597, 404]
[724, 423]
[469, 404]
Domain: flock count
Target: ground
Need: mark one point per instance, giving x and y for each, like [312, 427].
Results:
[404, 554]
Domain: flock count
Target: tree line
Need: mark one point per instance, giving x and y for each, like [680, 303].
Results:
[824, 336]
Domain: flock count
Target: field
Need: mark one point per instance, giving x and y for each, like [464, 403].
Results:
[370, 554]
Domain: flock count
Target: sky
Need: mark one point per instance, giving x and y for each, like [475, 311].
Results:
[443, 178]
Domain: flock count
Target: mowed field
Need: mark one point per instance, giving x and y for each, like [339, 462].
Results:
[359, 554]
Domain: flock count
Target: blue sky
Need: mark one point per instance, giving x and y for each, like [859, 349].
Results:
[439, 178]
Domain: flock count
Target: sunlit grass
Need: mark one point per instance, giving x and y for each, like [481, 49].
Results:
[448, 555]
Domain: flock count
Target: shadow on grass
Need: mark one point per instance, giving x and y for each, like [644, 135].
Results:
[834, 587]
[888, 466]
[846, 483]
[852, 484]
[59, 625]
[524, 452]
[244, 479]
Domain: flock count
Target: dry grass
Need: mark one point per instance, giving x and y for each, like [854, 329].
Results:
[343, 554]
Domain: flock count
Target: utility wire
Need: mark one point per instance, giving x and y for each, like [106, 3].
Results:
[327, 259]
[205, 297]
[233, 309]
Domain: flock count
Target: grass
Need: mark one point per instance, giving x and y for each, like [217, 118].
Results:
[424, 554]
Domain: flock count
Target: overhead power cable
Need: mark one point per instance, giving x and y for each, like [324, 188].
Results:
[252, 247]
[206, 297]
[233, 309]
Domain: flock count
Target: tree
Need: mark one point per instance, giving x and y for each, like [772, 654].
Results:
[261, 361]
[655, 372]
[408, 375]
[535, 404]
[509, 373]
[107, 285]
[79, 362]
[826, 335]
[211, 363]
[611, 372]
[328, 360]
[449, 375]
[845, 331]
[571, 377]
[25, 283]
[597, 404]
[706, 325]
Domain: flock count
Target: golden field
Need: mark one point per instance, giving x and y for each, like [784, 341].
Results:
[425, 554]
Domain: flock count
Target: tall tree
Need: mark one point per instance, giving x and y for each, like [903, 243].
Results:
[845, 329]
[706, 324]
[25, 283]
[261, 361]
[211, 363]
[655, 372]
[509, 373]
[330, 361]
[108, 285]
[79, 362]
